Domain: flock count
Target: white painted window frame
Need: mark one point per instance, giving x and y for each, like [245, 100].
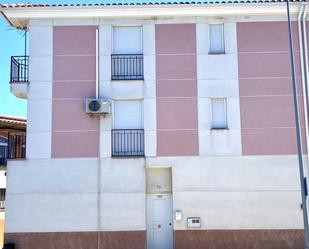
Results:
[123, 26]
[113, 110]
[223, 39]
[225, 112]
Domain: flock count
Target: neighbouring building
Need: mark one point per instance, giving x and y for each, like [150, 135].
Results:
[12, 146]
[197, 146]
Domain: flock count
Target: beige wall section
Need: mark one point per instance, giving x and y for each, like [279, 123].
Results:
[260, 192]
[62, 194]
[1, 228]
[158, 180]
[235, 192]
[122, 194]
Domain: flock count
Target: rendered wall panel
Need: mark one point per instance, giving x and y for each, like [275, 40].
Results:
[177, 113]
[176, 74]
[177, 142]
[74, 68]
[75, 40]
[71, 116]
[265, 36]
[75, 144]
[75, 134]
[172, 39]
[176, 66]
[265, 86]
[267, 64]
[74, 89]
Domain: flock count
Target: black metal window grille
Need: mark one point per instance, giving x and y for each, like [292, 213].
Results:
[14, 149]
[3, 151]
[127, 67]
[127, 142]
[17, 146]
[19, 69]
[2, 199]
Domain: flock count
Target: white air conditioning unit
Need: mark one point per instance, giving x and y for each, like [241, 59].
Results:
[98, 106]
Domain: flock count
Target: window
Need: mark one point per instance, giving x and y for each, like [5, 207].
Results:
[2, 199]
[216, 38]
[128, 114]
[3, 150]
[219, 117]
[127, 40]
[128, 132]
[127, 57]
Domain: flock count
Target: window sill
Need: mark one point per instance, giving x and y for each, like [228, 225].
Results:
[127, 156]
[219, 53]
[127, 81]
[219, 129]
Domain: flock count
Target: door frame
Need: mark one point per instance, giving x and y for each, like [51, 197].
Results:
[148, 195]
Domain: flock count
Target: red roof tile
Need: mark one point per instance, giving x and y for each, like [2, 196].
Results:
[13, 120]
[29, 5]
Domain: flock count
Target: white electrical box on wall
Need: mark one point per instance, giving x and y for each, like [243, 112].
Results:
[194, 222]
[178, 215]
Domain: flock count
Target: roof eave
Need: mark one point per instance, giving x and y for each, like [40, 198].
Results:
[20, 16]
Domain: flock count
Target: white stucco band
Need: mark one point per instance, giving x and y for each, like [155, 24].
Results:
[233, 192]
[217, 76]
[115, 90]
[227, 192]
[62, 195]
[39, 108]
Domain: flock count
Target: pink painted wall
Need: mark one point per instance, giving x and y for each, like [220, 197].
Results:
[266, 103]
[74, 133]
[177, 126]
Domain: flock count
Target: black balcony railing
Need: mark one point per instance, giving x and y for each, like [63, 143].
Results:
[19, 69]
[2, 199]
[127, 67]
[127, 142]
[3, 161]
[16, 148]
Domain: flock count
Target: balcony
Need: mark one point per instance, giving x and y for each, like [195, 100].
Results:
[19, 78]
[127, 67]
[127, 143]
[16, 148]
[2, 199]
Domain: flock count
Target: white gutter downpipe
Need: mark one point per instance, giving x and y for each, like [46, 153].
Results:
[97, 63]
[99, 152]
[305, 81]
[304, 68]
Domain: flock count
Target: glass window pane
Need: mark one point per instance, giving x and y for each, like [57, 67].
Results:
[219, 113]
[128, 114]
[216, 38]
[127, 40]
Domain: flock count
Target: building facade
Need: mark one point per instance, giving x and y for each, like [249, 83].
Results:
[12, 146]
[199, 150]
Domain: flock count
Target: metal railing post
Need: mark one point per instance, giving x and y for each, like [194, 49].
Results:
[127, 67]
[127, 142]
[19, 69]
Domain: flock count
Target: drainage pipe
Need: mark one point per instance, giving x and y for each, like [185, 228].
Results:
[304, 68]
[99, 145]
[306, 85]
